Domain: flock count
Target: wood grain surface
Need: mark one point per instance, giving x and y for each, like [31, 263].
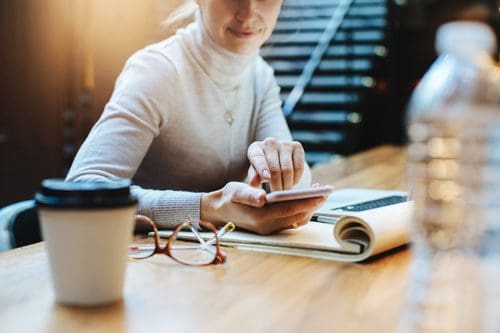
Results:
[252, 292]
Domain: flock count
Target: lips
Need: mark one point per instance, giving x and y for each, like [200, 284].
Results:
[244, 33]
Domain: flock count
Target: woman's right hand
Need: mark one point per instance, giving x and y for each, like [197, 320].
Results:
[246, 207]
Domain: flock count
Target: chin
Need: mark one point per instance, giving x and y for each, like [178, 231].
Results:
[242, 45]
[242, 48]
[247, 46]
[245, 50]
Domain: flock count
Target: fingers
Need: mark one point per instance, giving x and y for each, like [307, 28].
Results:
[296, 222]
[291, 208]
[292, 222]
[287, 166]
[286, 215]
[258, 160]
[253, 177]
[281, 163]
[271, 149]
[245, 205]
[277, 225]
[299, 161]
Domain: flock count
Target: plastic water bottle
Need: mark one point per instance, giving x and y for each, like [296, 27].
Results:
[454, 177]
[489, 248]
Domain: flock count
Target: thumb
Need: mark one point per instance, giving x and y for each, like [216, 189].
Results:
[247, 195]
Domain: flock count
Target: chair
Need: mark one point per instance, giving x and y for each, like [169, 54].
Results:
[19, 225]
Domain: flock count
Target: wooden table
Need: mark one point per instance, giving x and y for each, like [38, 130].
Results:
[253, 292]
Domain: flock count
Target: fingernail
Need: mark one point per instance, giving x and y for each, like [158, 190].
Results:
[266, 174]
[258, 199]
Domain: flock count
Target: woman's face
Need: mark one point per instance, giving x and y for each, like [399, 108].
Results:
[240, 26]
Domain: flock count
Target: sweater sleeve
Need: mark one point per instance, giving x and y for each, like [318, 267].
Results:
[118, 142]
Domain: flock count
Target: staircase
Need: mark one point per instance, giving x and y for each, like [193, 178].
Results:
[327, 56]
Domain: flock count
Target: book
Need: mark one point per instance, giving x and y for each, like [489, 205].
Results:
[353, 225]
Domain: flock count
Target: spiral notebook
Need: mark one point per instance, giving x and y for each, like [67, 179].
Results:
[352, 225]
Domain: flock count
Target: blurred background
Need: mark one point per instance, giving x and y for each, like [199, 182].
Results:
[60, 58]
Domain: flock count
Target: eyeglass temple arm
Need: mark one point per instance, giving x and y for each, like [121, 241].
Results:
[227, 228]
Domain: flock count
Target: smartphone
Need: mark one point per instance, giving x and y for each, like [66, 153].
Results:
[296, 194]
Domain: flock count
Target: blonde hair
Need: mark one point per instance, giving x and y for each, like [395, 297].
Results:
[180, 17]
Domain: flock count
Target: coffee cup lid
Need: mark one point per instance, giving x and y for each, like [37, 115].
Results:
[57, 193]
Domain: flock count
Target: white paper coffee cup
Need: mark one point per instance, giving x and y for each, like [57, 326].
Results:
[87, 228]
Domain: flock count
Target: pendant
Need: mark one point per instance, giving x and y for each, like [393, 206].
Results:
[229, 116]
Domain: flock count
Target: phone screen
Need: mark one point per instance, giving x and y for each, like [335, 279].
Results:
[297, 194]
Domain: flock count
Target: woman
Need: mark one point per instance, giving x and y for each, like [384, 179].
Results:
[197, 114]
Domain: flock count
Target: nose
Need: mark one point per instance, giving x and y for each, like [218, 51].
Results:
[246, 10]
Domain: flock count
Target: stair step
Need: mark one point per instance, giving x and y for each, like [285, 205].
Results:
[315, 3]
[289, 67]
[301, 52]
[363, 23]
[320, 24]
[293, 52]
[326, 81]
[320, 117]
[330, 2]
[295, 38]
[323, 11]
[313, 37]
[370, 11]
[330, 66]
[369, 2]
[301, 25]
[358, 81]
[346, 65]
[318, 137]
[319, 157]
[356, 50]
[360, 36]
[298, 14]
[328, 98]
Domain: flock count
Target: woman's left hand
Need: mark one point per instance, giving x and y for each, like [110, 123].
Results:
[281, 163]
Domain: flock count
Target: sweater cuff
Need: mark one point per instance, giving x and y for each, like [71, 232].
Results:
[174, 207]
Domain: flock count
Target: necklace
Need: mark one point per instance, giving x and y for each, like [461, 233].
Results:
[231, 101]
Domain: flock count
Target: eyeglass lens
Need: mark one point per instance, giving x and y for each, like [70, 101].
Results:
[187, 245]
[197, 252]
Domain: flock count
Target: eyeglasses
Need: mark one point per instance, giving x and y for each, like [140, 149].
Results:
[203, 252]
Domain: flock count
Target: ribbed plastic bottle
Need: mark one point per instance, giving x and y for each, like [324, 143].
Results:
[454, 178]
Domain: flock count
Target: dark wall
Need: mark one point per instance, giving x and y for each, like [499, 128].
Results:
[413, 27]
[33, 91]
[59, 60]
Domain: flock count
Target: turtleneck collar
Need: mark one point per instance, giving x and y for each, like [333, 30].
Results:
[224, 67]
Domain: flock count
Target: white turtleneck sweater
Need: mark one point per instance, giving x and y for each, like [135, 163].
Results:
[179, 122]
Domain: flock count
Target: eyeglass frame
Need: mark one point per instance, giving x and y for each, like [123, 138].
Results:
[219, 258]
